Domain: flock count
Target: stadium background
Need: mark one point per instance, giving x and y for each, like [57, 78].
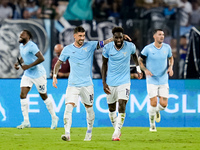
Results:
[184, 102]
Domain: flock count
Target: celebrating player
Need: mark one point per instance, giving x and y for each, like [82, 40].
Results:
[80, 55]
[34, 73]
[156, 56]
[116, 77]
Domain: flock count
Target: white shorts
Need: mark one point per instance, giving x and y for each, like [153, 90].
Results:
[158, 90]
[86, 94]
[40, 83]
[118, 92]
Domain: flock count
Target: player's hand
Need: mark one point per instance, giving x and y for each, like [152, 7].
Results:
[148, 73]
[170, 71]
[25, 67]
[55, 82]
[106, 89]
[126, 37]
[16, 66]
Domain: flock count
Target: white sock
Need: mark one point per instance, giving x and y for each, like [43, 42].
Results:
[24, 108]
[3, 113]
[90, 118]
[49, 106]
[152, 113]
[68, 118]
[120, 121]
[159, 107]
[113, 118]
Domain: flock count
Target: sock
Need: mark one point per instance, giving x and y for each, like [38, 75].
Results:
[49, 106]
[3, 113]
[68, 118]
[113, 118]
[120, 122]
[160, 107]
[152, 113]
[24, 108]
[90, 118]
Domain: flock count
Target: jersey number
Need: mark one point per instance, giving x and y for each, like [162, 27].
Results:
[42, 87]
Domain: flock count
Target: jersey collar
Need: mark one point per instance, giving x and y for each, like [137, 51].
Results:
[120, 48]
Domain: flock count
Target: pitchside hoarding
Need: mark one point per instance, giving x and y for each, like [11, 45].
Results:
[183, 108]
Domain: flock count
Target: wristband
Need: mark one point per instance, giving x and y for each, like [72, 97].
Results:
[138, 69]
[55, 75]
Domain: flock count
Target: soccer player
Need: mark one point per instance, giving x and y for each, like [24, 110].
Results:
[80, 56]
[34, 73]
[116, 77]
[156, 55]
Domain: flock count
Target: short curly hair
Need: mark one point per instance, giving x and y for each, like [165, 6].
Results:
[117, 29]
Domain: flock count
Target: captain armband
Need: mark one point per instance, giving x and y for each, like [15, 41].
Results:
[100, 44]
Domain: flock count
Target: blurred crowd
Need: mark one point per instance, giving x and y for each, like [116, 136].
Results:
[185, 11]
[102, 9]
[26, 9]
[153, 9]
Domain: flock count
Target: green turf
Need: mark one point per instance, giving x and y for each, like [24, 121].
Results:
[133, 138]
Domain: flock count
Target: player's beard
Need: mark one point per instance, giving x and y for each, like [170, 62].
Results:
[80, 42]
[160, 41]
[118, 44]
[21, 40]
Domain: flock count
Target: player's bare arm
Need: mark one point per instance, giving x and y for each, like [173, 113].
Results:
[102, 43]
[170, 68]
[135, 59]
[125, 37]
[40, 58]
[55, 72]
[104, 72]
[143, 68]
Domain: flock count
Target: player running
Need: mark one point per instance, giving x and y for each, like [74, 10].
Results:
[34, 73]
[156, 56]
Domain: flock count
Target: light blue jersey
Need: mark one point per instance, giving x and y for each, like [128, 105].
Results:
[81, 60]
[118, 63]
[156, 63]
[28, 52]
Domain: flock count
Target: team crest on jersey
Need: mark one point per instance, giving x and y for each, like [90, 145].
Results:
[85, 49]
[124, 53]
[164, 52]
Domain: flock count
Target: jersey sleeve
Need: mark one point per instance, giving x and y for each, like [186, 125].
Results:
[64, 55]
[169, 52]
[133, 48]
[34, 49]
[105, 51]
[144, 51]
[94, 45]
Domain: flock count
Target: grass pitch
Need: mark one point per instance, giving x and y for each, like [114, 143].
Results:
[133, 138]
